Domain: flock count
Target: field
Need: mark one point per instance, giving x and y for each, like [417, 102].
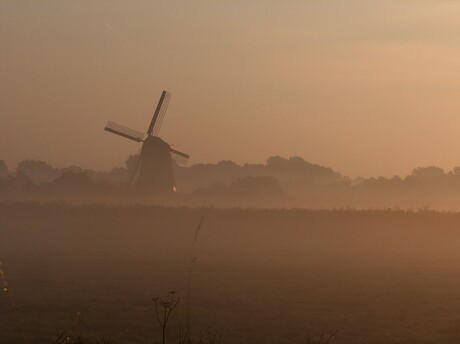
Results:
[261, 276]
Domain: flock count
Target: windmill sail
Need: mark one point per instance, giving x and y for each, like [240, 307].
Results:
[161, 116]
[159, 113]
[153, 171]
[179, 157]
[136, 168]
[121, 130]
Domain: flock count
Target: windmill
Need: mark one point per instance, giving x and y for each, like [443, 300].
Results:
[154, 170]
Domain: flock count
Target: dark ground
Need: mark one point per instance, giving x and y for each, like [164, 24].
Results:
[262, 276]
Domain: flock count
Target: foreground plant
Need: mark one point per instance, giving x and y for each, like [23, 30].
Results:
[209, 336]
[163, 309]
[322, 339]
[74, 334]
[7, 292]
[66, 337]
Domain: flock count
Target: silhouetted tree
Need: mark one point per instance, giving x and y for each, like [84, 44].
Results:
[117, 175]
[3, 169]
[73, 169]
[291, 173]
[38, 171]
[249, 190]
[456, 171]
[72, 182]
[17, 186]
[428, 172]
[131, 163]
[250, 186]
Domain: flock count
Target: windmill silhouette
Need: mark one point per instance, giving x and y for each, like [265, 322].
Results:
[154, 168]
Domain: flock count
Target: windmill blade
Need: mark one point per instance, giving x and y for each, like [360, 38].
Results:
[161, 116]
[179, 157]
[121, 130]
[183, 155]
[179, 160]
[138, 163]
[160, 111]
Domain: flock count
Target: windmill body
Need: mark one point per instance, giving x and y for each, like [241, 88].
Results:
[154, 169]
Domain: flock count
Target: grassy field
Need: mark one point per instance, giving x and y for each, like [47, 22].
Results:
[262, 276]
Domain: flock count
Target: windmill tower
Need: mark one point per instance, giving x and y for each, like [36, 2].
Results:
[154, 170]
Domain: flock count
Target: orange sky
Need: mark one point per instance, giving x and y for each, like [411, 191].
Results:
[365, 87]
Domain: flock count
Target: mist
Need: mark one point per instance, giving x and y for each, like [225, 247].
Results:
[367, 87]
[229, 172]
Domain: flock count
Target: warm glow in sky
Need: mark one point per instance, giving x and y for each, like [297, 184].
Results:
[365, 87]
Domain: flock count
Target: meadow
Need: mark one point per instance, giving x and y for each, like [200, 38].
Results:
[260, 276]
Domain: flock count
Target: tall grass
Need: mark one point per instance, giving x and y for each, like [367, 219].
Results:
[12, 305]
[190, 272]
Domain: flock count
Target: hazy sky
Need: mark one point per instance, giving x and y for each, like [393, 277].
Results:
[365, 87]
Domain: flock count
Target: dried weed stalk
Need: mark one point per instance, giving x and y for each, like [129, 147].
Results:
[164, 308]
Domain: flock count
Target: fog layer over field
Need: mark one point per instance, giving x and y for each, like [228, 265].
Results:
[279, 182]
[263, 276]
